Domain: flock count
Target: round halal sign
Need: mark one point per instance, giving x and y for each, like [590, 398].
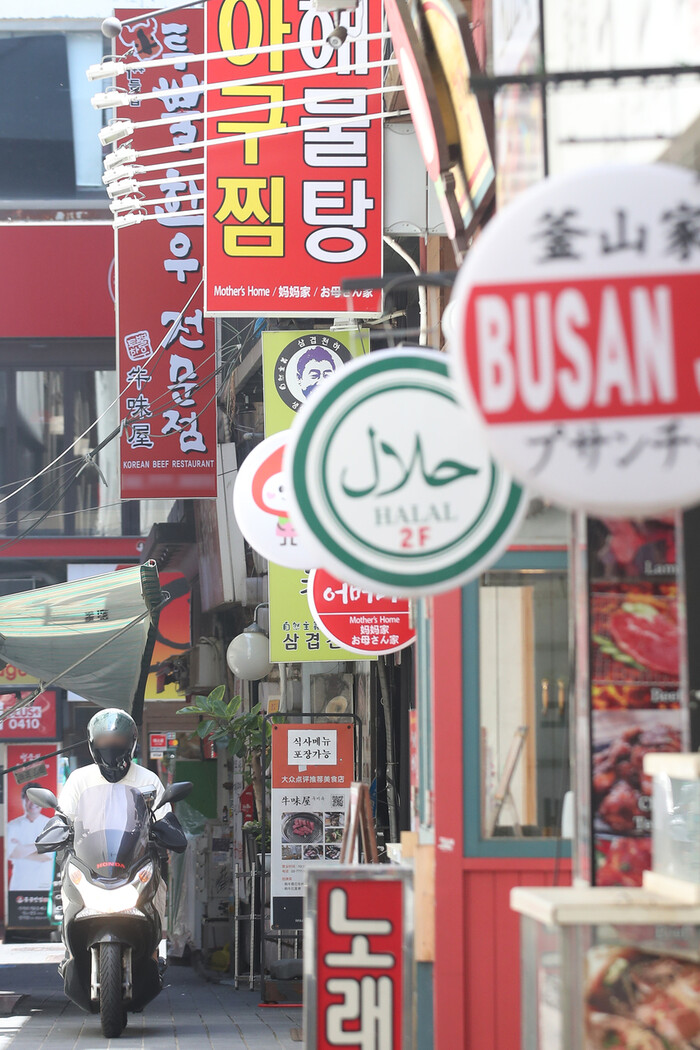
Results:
[574, 336]
[304, 363]
[392, 479]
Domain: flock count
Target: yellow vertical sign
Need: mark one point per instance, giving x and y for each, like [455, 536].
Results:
[294, 364]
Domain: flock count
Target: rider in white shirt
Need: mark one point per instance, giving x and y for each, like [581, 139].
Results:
[112, 738]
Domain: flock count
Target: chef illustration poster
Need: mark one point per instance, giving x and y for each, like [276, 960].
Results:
[634, 672]
[28, 875]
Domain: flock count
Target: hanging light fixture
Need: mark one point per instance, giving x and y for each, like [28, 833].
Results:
[248, 655]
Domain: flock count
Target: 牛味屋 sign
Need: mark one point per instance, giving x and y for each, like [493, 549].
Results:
[574, 338]
[166, 352]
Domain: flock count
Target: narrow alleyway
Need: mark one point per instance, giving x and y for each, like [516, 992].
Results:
[189, 1013]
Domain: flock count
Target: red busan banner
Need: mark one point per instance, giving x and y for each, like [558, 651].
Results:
[290, 214]
[168, 447]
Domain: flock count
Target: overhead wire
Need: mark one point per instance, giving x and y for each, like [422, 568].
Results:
[118, 97]
[208, 56]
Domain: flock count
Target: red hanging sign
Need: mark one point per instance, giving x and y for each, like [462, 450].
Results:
[168, 447]
[358, 981]
[357, 619]
[289, 215]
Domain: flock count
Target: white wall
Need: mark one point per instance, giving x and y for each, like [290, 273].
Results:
[602, 34]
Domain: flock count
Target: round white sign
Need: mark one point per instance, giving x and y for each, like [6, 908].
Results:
[574, 336]
[261, 506]
[389, 474]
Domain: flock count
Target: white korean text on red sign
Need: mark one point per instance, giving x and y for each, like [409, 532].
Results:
[166, 361]
[291, 212]
[358, 958]
[574, 337]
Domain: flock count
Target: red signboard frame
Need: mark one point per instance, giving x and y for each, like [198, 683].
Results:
[358, 955]
[26, 906]
[168, 391]
[289, 215]
[37, 721]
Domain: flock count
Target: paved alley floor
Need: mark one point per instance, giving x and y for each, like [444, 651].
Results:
[189, 1013]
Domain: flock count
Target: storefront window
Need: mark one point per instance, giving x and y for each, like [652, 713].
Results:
[48, 138]
[47, 413]
[523, 701]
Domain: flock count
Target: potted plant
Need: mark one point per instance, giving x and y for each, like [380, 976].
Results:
[239, 733]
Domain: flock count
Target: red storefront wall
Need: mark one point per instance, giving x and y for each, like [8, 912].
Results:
[477, 941]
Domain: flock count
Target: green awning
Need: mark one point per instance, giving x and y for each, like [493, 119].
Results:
[53, 632]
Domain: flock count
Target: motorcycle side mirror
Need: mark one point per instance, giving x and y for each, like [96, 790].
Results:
[42, 797]
[55, 836]
[175, 793]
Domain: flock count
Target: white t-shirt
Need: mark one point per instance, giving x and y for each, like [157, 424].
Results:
[33, 872]
[89, 776]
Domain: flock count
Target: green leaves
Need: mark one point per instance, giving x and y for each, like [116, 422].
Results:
[241, 734]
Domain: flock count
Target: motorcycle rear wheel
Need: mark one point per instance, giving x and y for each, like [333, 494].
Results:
[111, 1005]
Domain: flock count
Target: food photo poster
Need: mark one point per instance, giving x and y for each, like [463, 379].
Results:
[634, 655]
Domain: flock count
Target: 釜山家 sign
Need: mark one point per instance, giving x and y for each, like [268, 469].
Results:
[390, 475]
[297, 206]
[574, 338]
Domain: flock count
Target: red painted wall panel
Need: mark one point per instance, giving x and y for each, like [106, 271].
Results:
[56, 280]
[491, 997]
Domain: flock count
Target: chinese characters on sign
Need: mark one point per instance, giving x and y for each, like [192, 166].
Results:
[295, 636]
[574, 338]
[312, 769]
[357, 959]
[166, 357]
[302, 207]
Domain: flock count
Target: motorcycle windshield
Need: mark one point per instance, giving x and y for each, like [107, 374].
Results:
[111, 829]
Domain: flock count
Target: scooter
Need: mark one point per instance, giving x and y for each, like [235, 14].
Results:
[111, 853]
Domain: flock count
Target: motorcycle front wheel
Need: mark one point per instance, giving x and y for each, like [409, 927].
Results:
[112, 1013]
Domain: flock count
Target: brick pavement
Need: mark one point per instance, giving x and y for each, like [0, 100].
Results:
[189, 1013]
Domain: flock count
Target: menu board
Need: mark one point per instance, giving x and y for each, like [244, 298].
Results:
[635, 643]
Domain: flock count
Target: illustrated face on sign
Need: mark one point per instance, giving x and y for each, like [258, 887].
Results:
[304, 364]
[268, 487]
[274, 500]
[313, 366]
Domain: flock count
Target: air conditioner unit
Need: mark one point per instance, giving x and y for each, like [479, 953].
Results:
[206, 669]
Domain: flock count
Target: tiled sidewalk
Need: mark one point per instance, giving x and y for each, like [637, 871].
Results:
[189, 1013]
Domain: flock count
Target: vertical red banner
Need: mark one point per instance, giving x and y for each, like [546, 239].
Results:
[357, 988]
[294, 212]
[167, 362]
[28, 875]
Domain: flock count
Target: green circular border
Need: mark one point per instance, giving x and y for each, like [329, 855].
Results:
[369, 546]
[403, 580]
